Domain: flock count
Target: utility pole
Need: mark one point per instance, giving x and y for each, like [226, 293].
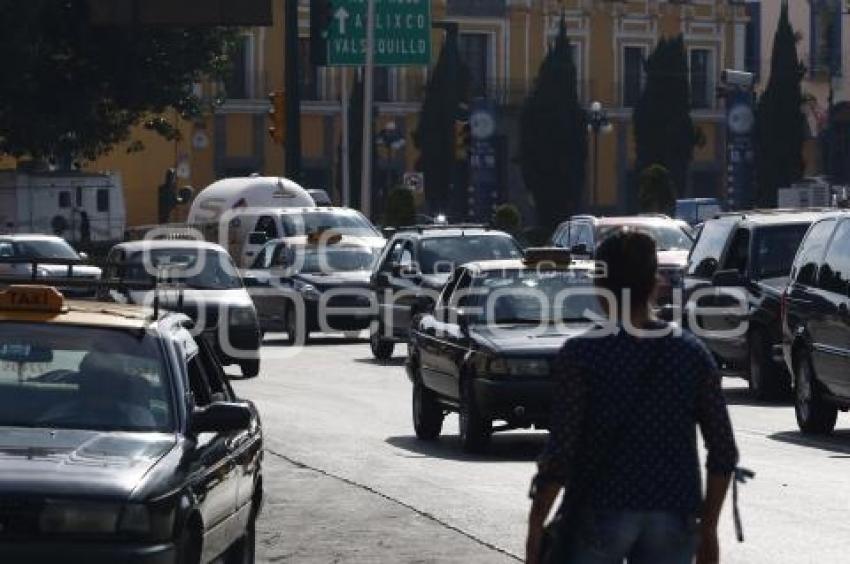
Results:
[293, 92]
[346, 157]
[368, 94]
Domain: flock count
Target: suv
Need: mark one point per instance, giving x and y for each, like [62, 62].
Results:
[752, 252]
[123, 440]
[581, 233]
[816, 324]
[413, 268]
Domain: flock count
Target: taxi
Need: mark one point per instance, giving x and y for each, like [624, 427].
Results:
[121, 439]
[486, 350]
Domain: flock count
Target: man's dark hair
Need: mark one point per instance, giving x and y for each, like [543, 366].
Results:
[630, 264]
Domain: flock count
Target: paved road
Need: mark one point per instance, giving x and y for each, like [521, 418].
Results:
[348, 481]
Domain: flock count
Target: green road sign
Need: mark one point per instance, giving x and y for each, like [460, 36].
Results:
[402, 32]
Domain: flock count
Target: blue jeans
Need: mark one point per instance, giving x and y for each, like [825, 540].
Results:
[638, 537]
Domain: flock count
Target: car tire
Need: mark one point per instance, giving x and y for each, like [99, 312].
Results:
[250, 367]
[293, 335]
[427, 412]
[475, 429]
[382, 349]
[814, 415]
[189, 546]
[766, 380]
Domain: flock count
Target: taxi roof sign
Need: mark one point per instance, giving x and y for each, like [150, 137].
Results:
[32, 298]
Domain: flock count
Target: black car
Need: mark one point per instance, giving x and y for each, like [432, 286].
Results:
[121, 439]
[485, 351]
[816, 324]
[414, 266]
[302, 288]
[203, 283]
[751, 253]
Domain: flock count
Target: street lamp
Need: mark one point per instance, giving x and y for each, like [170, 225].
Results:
[597, 122]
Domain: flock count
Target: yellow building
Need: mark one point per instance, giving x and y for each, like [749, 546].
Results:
[503, 43]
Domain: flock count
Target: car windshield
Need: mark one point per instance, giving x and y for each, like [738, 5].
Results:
[194, 268]
[667, 237]
[444, 254]
[350, 259]
[79, 377]
[46, 248]
[775, 248]
[344, 223]
[532, 296]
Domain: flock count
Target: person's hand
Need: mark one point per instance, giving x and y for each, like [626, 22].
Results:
[533, 545]
[709, 547]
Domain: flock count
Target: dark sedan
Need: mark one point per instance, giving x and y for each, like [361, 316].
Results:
[121, 441]
[486, 350]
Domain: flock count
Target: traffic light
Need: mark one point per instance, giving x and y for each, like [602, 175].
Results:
[462, 139]
[277, 117]
[321, 15]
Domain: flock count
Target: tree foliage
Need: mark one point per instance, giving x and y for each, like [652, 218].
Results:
[780, 123]
[553, 137]
[656, 191]
[447, 89]
[72, 89]
[664, 132]
[507, 218]
[401, 208]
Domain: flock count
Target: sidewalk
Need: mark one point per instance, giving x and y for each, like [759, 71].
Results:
[314, 518]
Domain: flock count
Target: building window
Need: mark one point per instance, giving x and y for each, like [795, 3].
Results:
[702, 78]
[103, 200]
[752, 41]
[475, 53]
[236, 82]
[825, 36]
[381, 84]
[308, 76]
[633, 74]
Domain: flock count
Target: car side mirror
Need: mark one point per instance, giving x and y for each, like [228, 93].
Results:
[388, 232]
[84, 257]
[463, 318]
[727, 279]
[257, 238]
[221, 417]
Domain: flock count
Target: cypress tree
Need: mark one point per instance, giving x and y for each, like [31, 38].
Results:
[663, 129]
[780, 123]
[553, 136]
[447, 89]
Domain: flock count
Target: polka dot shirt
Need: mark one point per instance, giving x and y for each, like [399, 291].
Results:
[624, 420]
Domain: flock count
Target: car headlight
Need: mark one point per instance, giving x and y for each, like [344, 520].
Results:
[518, 367]
[66, 517]
[307, 291]
[79, 517]
[242, 316]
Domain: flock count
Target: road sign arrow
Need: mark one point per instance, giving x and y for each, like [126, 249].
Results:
[342, 16]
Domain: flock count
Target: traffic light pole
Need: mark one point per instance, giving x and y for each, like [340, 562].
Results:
[366, 178]
[293, 93]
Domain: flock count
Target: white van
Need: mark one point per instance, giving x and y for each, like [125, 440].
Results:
[227, 211]
[73, 205]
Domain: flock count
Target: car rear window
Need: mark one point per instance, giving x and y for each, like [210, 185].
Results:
[444, 254]
[835, 273]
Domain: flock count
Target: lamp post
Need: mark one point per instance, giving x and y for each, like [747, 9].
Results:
[597, 122]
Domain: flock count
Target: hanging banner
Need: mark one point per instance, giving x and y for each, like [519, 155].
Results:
[740, 155]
